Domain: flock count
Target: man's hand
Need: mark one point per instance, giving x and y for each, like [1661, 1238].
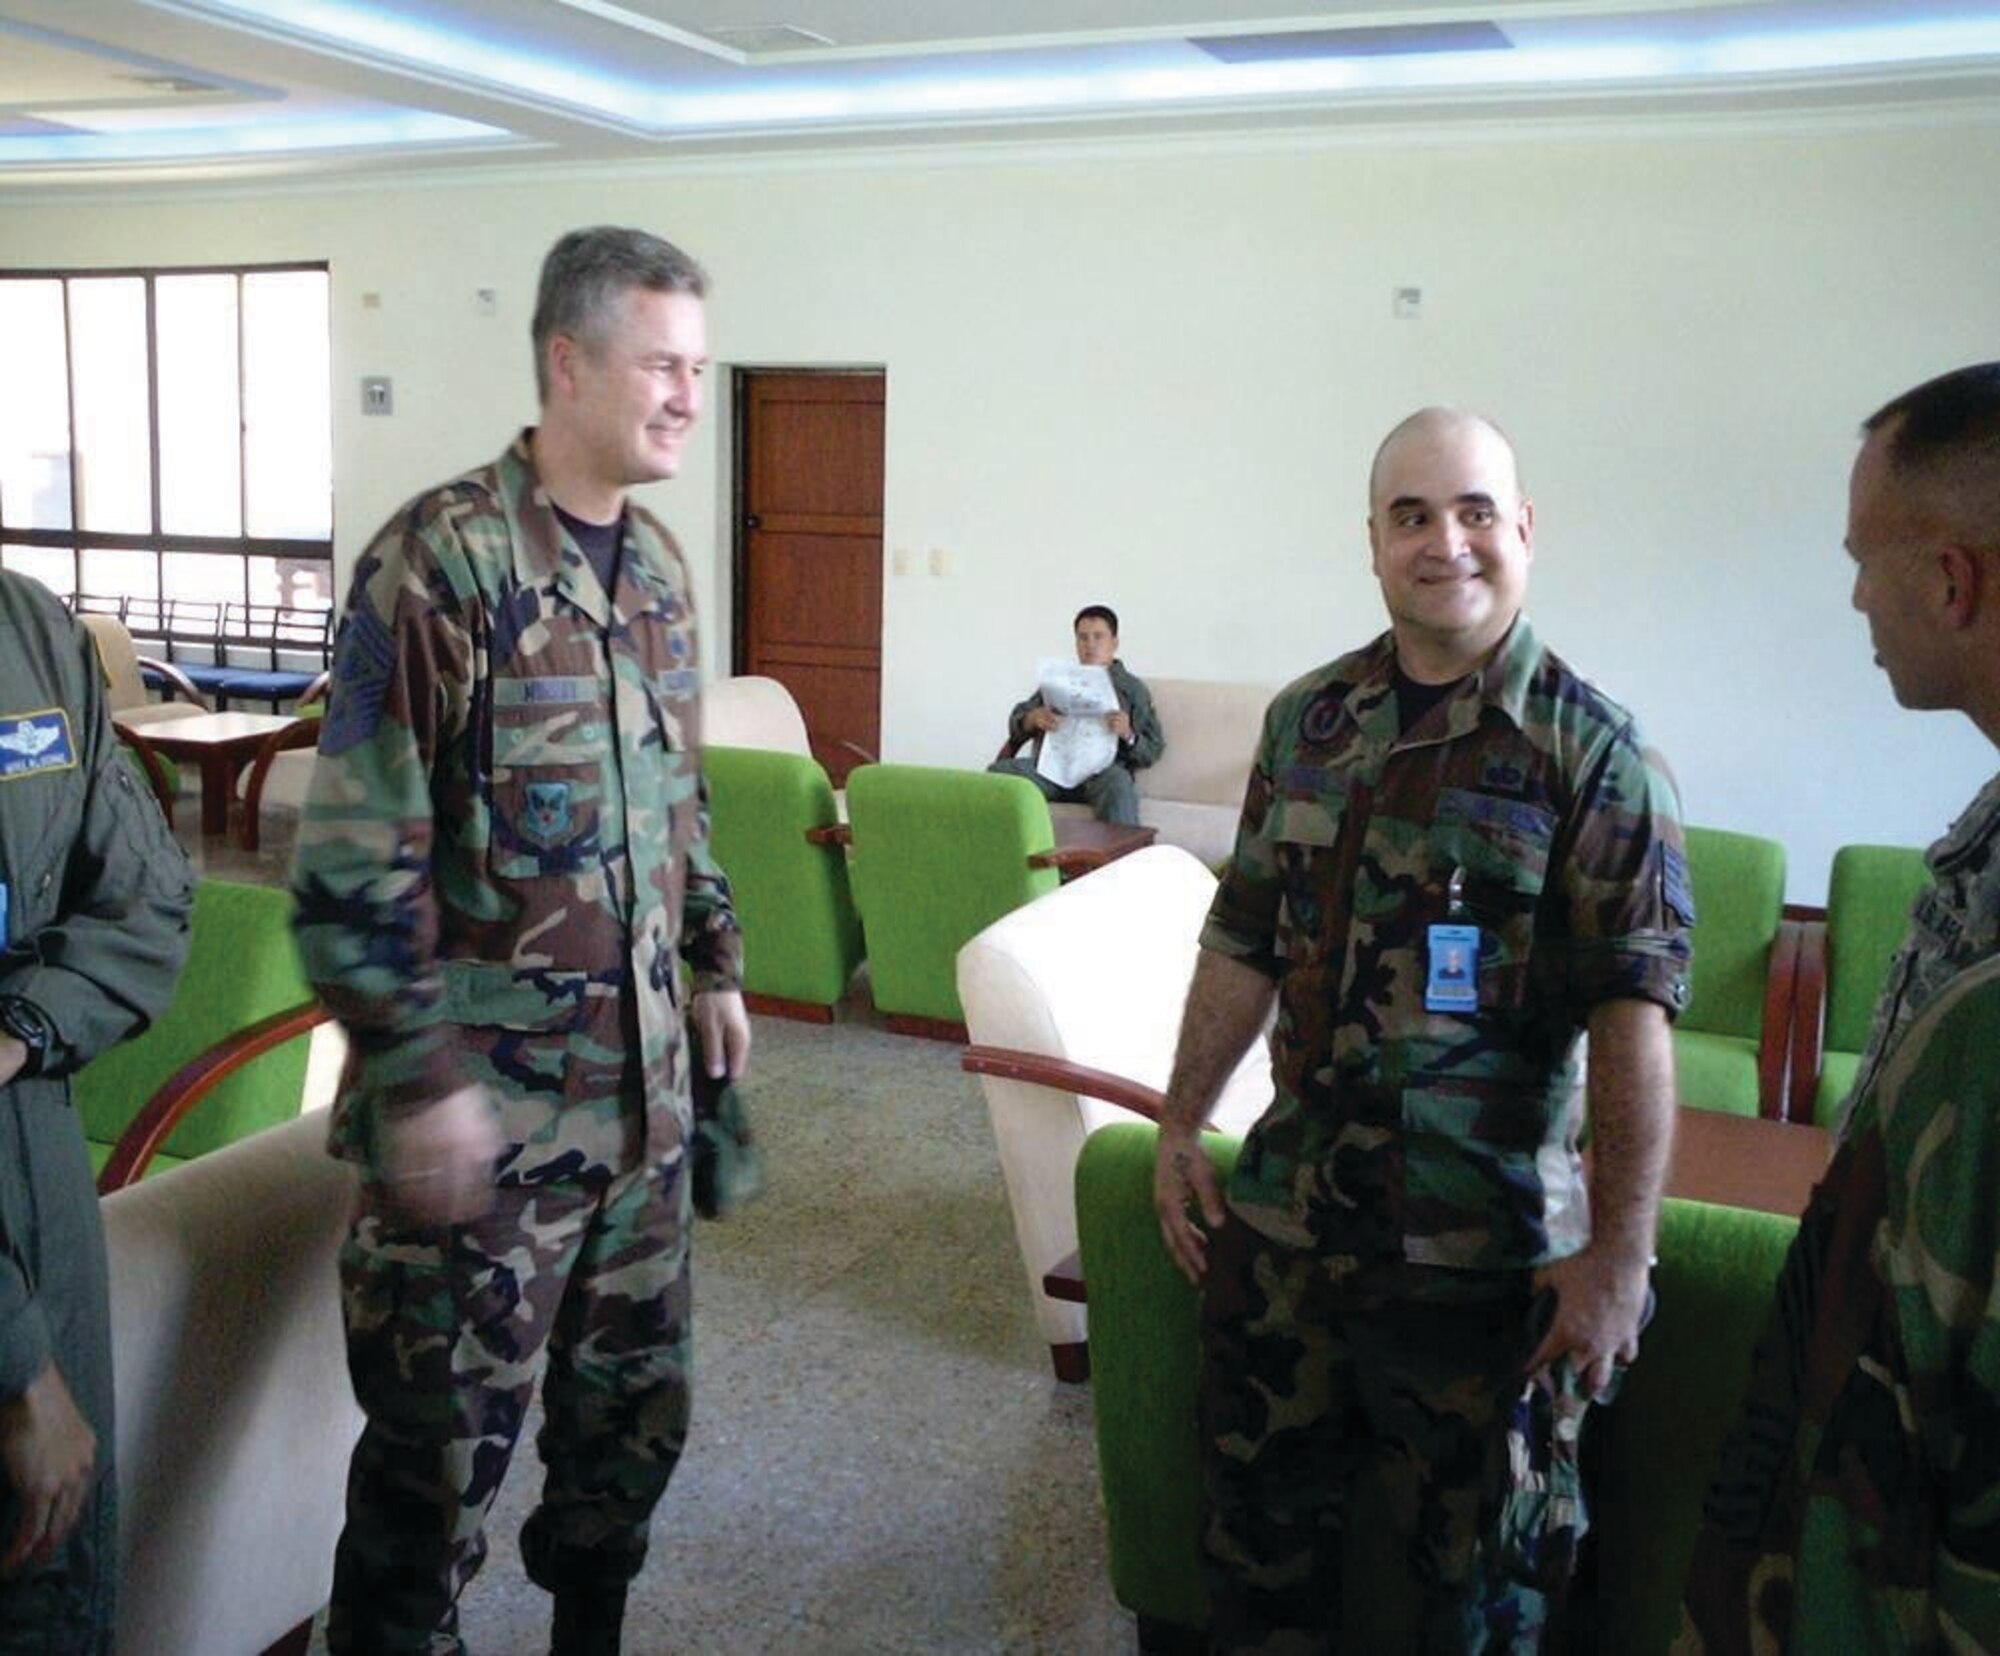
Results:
[1041, 719]
[48, 1452]
[437, 1164]
[13, 1054]
[1120, 724]
[725, 1032]
[1185, 1177]
[1600, 1299]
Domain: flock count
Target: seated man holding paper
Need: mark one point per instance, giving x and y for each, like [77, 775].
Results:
[1092, 724]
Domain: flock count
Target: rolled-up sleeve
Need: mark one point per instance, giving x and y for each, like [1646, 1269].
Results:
[1626, 884]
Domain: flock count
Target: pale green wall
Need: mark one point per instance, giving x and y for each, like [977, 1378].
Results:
[1154, 375]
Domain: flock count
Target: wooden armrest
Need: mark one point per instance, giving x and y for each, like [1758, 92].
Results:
[300, 733]
[1774, 1048]
[1064, 1280]
[1038, 1069]
[833, 833]
[191, 1083]
[1747, 1162]
[1808, 1020]
[177, 681]
[158, 776]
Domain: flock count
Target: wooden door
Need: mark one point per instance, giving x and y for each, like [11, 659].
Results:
[809, 550]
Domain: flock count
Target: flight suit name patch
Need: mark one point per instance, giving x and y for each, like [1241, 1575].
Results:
[31, 743]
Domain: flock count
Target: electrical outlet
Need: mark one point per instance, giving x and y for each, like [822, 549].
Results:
[377, 395]
[1406, 304]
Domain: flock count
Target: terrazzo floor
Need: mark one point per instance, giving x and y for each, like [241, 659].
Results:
[881, 1460]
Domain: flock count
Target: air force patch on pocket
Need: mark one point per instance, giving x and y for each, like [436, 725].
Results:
[31, 743]
[546, 821]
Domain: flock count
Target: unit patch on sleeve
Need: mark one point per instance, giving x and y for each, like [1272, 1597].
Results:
[31, 743]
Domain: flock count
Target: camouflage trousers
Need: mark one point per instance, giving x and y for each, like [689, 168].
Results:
[445, 1328]
[1355, 1455]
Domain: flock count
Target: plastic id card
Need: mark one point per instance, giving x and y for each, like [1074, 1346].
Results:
[1451, 983]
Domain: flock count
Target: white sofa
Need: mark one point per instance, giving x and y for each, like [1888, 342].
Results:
[1094, 973]
[235, 1417]
[1194, 793]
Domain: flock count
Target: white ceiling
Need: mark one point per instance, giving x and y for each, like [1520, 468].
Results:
[116, 89]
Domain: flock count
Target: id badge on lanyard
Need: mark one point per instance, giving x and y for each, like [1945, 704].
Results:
[1451, 973]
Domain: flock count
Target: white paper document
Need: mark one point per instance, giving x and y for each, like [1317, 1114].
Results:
[1082, 745]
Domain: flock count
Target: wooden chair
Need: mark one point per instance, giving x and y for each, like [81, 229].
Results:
[276, 773]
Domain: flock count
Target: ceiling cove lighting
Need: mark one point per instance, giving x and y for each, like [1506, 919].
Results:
[262, 137]
[774, 97]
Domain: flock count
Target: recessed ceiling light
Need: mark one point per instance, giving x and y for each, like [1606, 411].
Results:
[757, 39]
[179, 85]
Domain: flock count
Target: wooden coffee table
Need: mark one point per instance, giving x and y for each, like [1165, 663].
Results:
[1084, 843]
[221, 744]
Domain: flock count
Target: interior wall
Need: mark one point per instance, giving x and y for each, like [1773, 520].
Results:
[1153, 375]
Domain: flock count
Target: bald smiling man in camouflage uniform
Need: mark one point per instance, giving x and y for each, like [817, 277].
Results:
[1455, 856]
[502, 871]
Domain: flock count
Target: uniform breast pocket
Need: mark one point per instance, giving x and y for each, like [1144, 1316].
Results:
[1302, 832]
[549, 786]
[1494, 854]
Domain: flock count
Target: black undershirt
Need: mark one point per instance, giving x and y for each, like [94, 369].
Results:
[599, 543]
[1414, 699]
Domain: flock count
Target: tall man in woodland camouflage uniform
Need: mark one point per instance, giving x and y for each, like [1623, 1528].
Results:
[1858, 1504]
[94, 903]
[1455, 856]
[502, 868]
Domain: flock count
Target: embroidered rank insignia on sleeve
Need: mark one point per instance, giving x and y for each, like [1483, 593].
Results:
[1675, 886]
[362, 660]
[31, 743]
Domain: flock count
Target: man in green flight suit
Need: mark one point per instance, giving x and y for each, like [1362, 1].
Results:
[1111, 793]
[502, 874]
[94, 903]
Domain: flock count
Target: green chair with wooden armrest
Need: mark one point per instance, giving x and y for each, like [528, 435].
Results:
[243, 984]
[1845, 961]
[1730, 1041]
[772, 827]
[1734, 1193]
[939, 855]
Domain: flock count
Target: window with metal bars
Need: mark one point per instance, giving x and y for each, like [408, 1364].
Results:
[168, 434]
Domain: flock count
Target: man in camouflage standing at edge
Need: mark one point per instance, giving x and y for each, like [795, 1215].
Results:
[1455, 855]
[1857, 1506]
[502, 866]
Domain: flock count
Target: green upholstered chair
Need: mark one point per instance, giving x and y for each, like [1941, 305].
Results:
[242, 986]
[939, 855]
[769, 817]
[1868, 902]
[1655, 1448]
[1730, 1039]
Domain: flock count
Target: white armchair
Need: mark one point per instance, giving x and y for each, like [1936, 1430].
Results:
[1093, 975]
[235, 1416]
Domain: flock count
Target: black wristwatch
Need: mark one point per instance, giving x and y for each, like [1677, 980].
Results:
[21, 1020]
